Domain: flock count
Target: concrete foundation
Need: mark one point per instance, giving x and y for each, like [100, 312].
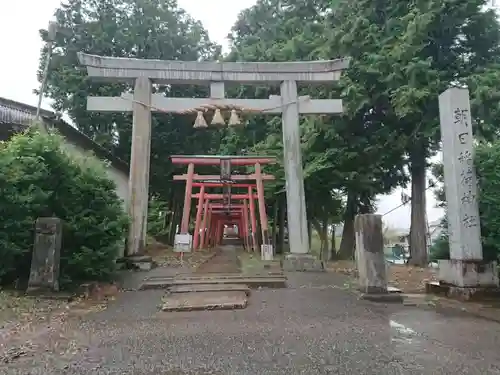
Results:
[466, 280]
[468, 274]
[383, 297]
[136, 262]
[462, 293]
[302, 263]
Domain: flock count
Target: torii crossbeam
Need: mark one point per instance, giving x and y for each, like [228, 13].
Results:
[143, 73]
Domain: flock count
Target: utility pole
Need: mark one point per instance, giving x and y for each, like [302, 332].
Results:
[51, 37]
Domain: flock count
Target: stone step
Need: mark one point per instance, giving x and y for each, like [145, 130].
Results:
[251, 282]
[202, 288]
[232, 275]
[205, 301]
[189, 276]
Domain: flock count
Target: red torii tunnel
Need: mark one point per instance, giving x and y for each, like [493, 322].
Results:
[214, 211]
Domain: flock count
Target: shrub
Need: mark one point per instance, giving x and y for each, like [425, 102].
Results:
[157, 213]
[487, 161]
[39, 177]
[440, 249]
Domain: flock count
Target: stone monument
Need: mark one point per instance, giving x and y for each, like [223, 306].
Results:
[370, 259]
[44, 274]
[465, 269]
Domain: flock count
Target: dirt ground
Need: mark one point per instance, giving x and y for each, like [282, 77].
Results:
[17, 311]
[164, 256]
[407, 278]
[26, 321]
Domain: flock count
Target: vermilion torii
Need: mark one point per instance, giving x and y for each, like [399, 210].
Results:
[206, 207]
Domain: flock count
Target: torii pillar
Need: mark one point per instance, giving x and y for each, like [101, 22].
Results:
[288, 104]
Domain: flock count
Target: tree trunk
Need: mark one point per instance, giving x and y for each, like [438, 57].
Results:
[418, 228]
[282, 216]
[176, 215]
[325, 253]
[323, 236]
[275, 224]
[333, 247]
[309, 232]
[346, 250]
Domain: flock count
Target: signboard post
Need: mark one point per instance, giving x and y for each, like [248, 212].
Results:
[182, 244]
[266, 252]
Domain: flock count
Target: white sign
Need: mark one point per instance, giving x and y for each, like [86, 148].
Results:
[266, 252]
[183, 243]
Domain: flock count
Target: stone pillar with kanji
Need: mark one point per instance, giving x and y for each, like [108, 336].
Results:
[466, 268]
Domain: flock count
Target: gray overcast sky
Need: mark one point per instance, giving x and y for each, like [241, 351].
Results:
[20, 21]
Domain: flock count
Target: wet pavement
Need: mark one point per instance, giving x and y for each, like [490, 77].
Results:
[313, 327]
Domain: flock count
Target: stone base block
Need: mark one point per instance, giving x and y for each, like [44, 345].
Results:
[302, 263]
[470, 274]
[383, 297]
[462, 293]
[387, 294]
[436, 288]
[47, 294]
[473, 294]
[136, 262]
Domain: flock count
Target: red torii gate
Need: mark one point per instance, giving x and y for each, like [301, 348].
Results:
[212, 216]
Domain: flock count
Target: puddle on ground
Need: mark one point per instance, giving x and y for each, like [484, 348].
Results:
[401, 333]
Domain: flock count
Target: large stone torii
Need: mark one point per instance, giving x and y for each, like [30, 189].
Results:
[143, 73]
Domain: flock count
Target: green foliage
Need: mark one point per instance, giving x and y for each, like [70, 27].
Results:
[157, 214]
[487, 161]
[440, 249]
[38, 178]
[334, 149]
[150, 29]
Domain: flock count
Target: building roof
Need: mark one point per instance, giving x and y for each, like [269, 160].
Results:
[16, 116]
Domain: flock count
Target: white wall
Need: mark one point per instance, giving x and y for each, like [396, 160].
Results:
[119, 178]
[121, 181]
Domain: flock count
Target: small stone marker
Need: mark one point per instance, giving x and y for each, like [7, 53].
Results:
[370, 259]
[137, 262]
[466, 267]
[44, 274]
[370, 254]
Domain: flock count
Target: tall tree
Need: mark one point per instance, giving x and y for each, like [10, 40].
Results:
[404, 55]
[344, 154]
[155, 29]
[444, 43]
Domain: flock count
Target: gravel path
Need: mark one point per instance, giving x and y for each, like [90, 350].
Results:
[313, 327]
[226, 261]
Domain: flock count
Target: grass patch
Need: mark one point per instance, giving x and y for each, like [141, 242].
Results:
[251, 264]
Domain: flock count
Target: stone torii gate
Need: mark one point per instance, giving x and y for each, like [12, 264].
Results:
[143, 73]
